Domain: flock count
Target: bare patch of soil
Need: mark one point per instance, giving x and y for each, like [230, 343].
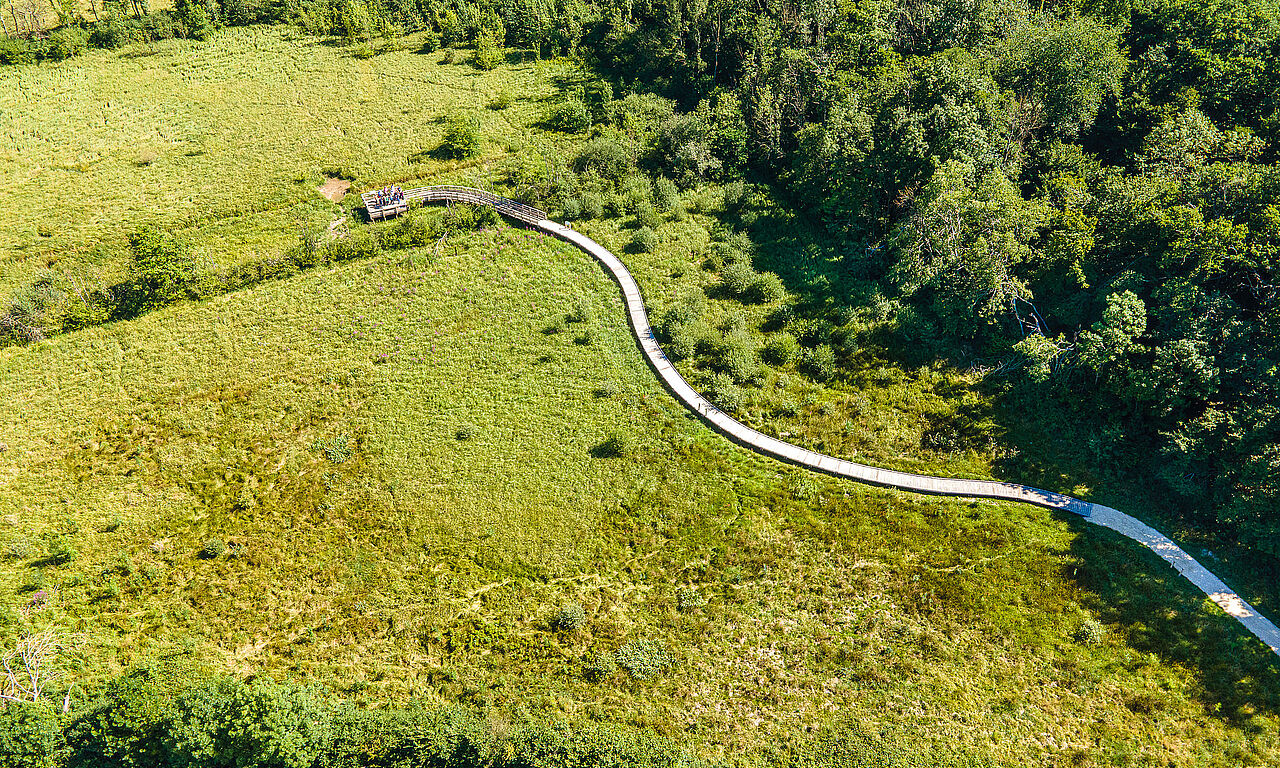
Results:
[334, 189]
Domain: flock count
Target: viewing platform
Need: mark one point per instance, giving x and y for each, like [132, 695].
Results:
[443, 194]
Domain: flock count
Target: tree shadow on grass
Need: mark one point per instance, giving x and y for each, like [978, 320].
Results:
[1159, 612]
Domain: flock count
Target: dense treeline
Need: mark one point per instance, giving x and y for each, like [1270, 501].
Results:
[1090, 191]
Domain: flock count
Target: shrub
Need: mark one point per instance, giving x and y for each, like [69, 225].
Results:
[688, 598]
[570, 618]
[720, 389]
[360, 244]
[581, 311]
[163, 267]
[647, 216]
[60, 551]
[120, 728]
[466, 431]
[276, 726]
[600, 667]
[430, 41]
[461, 137]
[592, 205]
[644, 241]
[781, 349]
[30, 735]
[1091, 632]
[15, 50]
[363, 50]
[737, 279]
[488, 54]
[213, 549]
[819, 362]
[766, 289]
[605, 158]
[665, 194]
[501, 101]
[572, 208]
[594, 746]
[736, 356]
[642, 659]
[637, 192]
[67, 42]
[569, 116]
[735, 195]
[606, 390]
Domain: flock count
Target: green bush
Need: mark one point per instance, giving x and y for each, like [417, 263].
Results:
[569, 116]
[644, 241]
[647, 216]
[595, 746]
[571, 618]
[60, 551]
[213, 549]
[360, 244]
[736, 357]
[488, 54]
[819, 362]
[430, 41]
[461, 137]
[720, 389]
[466, 431]
[362, 50]
[605, 158]
[601, 666]
[643, 659]
[1091, 632]
[636, 192]
[665, 194]
[16, 50]
[766, 289]
[163, 268]
[121, 728]
[572, 208]
[30, 735]
[582, 310]
[67, 42]
[781, 349]
[615, 445]
[736, 279]
[592, 205]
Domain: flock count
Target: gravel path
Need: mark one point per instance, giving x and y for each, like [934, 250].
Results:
[1217, 591]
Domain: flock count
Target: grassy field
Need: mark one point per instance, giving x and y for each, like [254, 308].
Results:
[403, 462]
[223, 142]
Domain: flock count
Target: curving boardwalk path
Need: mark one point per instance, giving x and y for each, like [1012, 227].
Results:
[1234, 605]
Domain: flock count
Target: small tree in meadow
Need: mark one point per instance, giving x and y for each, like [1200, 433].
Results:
[462, 137]
[163, 267]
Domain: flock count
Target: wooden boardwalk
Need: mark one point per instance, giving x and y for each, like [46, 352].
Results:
[1187, 566]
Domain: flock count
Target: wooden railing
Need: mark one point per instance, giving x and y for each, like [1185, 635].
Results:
[451, 194]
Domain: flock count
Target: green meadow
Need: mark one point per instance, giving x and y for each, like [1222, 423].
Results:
[447, 474]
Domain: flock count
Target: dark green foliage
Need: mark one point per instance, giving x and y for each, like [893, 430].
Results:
[737, 278]
[571, 618]
[66, 42]
[213, 549]
[461, 137]
[767, 288]
[819, 362]
[605, 158]
[569, 116]
[488, 54]
[665, 194]
[720, 389]
[780, 349]
[644, 241]
[466, 432]
[736, 356]
[30, 736]
[594, 746]
[592, 205]
[122, 728]
[163, 269]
